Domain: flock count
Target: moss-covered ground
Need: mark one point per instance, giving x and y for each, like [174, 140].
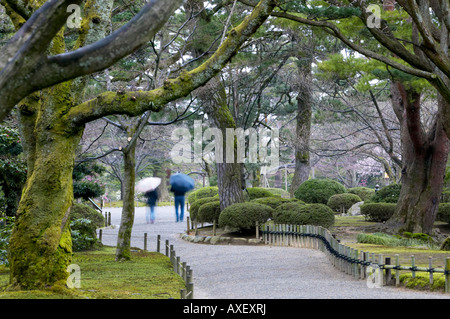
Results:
[148, 275]
[347, 228]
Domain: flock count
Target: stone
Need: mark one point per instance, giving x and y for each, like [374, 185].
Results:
[225, 239]
[239, 241]
[198, 239]
[355, 210]
[254, 241]
[215, 240]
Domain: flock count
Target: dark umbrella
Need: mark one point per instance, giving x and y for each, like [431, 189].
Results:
[181, 183]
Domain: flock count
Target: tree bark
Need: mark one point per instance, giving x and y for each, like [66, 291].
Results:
[123, 251]
[40, 244]
[424, 158]
[160, 171]
[229, 174]
[303, 129]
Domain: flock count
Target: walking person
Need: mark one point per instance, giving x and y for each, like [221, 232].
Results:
[180, 185]
[179, 204]
[152, 197]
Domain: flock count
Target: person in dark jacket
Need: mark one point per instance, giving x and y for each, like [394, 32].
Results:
[152, 197]
[179, 202]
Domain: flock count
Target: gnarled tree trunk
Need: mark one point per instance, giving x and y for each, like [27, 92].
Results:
[303, 129]
[123, 251]
[424, 157]
[41, 245]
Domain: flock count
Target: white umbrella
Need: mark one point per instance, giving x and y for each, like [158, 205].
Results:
[147, 184]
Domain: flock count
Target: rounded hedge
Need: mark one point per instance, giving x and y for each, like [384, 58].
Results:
[281, 213]
[203, 192]
[378, 212]
[309, 214]
[244, 215]
[365, 193]
[342, 202]
[279, 192]
[191, 197]
[257, 192]
[387, 194]
[78, 211]
[318, 190]
[193, 209]
[209, 212]
[274, 201]
[84, 221]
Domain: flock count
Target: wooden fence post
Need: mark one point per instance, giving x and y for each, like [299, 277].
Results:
[167, 248]
[145, 241]
[387, 261]
[430, 264]
[447, 274]
[397, 270]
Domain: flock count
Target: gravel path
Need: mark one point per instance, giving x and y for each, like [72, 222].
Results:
[254, 272]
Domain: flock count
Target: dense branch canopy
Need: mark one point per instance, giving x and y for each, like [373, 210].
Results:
[25, 66]
[135, 103]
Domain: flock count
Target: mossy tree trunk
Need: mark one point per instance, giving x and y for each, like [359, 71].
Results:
[52, 123]
[160, 171]
[40, 245]
[303, 121]
[424, 158]
[123, 251]
[229, 173]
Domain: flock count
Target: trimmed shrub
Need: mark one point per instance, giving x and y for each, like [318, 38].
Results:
[83, 232]
[318, 215]
[443, 213]
[244, 216]
[191, 197]
[282, 214]
[365, 193]
[79, 211]
[258, 192]
[203, 192]
[208, 212]
[193, 209]
[377, 212]
[387, 194]
[279, 192]
[307, 214]
[318, 190]
[275, 201]
[84, 222]
[342, 202]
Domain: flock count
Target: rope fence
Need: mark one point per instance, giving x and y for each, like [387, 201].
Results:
[359, 264]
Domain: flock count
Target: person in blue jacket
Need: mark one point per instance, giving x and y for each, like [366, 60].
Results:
[152, 197]
[179, 202]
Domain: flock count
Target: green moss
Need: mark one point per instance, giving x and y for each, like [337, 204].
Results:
[148, 275]
[422, 281]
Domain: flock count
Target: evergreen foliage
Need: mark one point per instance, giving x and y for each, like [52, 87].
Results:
[377, 212]
[342, 202]
[318, 190]
[244, 216]
[387, 194]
